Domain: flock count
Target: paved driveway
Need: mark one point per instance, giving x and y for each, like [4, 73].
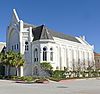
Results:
[67, 87]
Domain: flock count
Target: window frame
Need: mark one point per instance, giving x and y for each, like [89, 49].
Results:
[51, 54]
[26, 46]
[35, 55]
[44, 53]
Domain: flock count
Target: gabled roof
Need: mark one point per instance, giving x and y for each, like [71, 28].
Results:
[3, 49]
[96, 54]
[2, 45]
[64, 36]
[42, 32]
[26, 25]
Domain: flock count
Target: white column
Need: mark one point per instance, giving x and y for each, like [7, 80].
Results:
[48, 54]
[67, 58]
[21, 71]
[20, 34]
[63, 56]
[41, 54]
[70, 58]
[30, 34]
[60, 58]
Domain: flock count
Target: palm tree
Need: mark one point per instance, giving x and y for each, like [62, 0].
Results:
[12, 59]
[7, 60]
[18, 61]
[0, 57]
[2, 67]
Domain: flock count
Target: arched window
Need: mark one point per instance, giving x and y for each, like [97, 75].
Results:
[26, 46]
[12, 47]
[51, 54]
[17, 46]
[35, 55]
[44, 54]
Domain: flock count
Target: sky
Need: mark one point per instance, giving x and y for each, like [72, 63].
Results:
[72, 17]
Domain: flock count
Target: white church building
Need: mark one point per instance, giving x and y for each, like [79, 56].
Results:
[40, 44]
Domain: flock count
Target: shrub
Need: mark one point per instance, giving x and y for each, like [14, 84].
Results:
[83, 73]
[40, 80]
[14, 77]
[1, 77]
[24, 78]
[55, 79]
[59, 74]
[46, 66]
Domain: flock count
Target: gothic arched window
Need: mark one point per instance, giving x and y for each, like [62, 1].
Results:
[35, 55]
[26, 46]
[44, 54]
[51, 54]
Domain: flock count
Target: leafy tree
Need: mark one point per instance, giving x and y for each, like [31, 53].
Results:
[47, 67]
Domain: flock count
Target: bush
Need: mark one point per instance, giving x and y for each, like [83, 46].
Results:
[24, 78]
[7, 77]
[14, 77]
[83, 73]
[59, 74]
[40, 80]
[29, 78]
[46, 66]
[55, 79]
[1, 77]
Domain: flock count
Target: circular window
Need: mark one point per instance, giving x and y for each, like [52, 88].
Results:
[44, 49]
[51, 48]
[26, 42]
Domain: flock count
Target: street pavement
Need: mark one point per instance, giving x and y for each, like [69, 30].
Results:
[89, 86]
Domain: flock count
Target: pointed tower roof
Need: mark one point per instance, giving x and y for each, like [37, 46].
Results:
[41, 32]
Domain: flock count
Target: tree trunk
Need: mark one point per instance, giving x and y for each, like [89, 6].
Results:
[8, 70]
[17, 71]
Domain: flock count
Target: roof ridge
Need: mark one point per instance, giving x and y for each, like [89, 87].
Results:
[61, 33]
[49, 34]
